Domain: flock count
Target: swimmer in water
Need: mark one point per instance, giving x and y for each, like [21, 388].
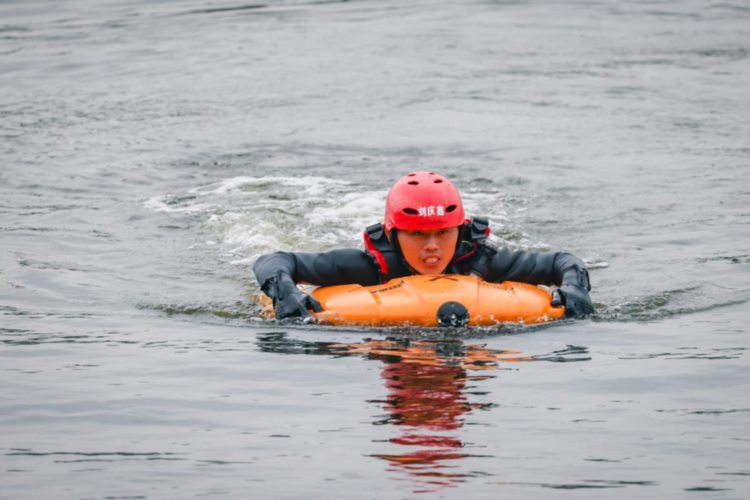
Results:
[425, 231]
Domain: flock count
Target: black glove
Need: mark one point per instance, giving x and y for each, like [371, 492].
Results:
[288, 301]
[575, 299]
[574, 294]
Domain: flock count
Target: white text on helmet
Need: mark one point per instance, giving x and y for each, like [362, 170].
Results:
[431, 211]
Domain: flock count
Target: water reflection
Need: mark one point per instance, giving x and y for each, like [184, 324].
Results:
[427, 399]
[427, 396]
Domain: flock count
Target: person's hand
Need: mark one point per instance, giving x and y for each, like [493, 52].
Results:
[296, 305]
[289, 301]
[575, 299]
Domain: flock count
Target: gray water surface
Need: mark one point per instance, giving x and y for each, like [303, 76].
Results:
[151, 151]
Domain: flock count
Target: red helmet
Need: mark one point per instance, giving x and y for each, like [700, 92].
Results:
[423, 200]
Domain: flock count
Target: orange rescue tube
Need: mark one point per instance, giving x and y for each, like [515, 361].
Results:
[417, 300]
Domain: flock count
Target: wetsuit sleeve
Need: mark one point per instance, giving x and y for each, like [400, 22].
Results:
[338, 267]
[556, 268]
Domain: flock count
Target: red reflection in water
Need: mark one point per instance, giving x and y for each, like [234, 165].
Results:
[426, 398]
[427, 386]
[426, 383]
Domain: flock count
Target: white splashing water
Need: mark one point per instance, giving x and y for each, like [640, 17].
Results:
[250, 216]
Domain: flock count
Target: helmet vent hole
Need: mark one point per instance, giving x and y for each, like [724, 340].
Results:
[410, 211]
[438, 181]
[413, 183]
[450, 208]
[411, 175]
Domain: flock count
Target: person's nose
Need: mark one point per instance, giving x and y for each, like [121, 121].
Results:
[431, 244]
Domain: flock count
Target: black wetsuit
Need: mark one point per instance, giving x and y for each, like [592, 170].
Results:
[382, 260]
[279, 272]
[346, 266]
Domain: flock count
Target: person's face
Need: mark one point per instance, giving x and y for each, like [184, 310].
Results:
[428, 251]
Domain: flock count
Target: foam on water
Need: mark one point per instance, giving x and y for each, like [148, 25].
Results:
[311, 185]
[253, 215]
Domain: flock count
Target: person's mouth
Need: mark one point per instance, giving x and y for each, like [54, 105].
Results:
[431, 260]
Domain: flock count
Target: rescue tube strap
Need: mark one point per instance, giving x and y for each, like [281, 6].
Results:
[479, 229]
[374, 236]
[475, 233]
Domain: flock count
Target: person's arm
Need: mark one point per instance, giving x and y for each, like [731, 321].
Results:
[278, 273]
[562, 269]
